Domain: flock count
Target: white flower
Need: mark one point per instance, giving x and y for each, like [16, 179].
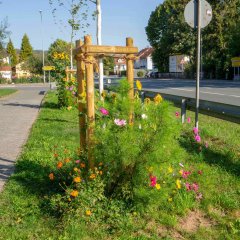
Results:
[144, 116]
[140, 126]
[104, 126]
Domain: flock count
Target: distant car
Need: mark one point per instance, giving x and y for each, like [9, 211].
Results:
[154, 74]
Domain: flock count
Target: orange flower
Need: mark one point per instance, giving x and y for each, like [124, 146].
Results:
[59, 165]
[51, 176]
[67, 160]
[55, 155]
[88, 213]
[74, 193]
[77, 179]
[82, 165]
[92, 176]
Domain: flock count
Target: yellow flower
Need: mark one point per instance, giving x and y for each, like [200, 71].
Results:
[139, 85]
[147, 100]
[74, 193]
[77, 179]
[69, 108]
[51, 176]
[59, 165]
[178, 184]
[150, 169]
[158, 187]
[67, 160]
[76, 169]
[88, 213]
[100, 172]
[114, 95]
[170, 170]
[181, 172]
[158, 99]
[92, 176]
[104, 94]
[170, 199]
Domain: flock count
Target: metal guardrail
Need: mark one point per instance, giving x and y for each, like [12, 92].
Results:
[215, 109]
[219, 110]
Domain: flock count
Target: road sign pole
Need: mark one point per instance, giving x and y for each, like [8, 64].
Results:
[198, 5]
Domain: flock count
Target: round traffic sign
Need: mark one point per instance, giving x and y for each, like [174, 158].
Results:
[190, 13]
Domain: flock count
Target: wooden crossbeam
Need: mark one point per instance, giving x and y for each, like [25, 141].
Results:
[105, 50]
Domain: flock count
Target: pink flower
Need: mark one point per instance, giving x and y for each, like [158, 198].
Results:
[195, 131]
[197, 138]
[153, 180]
[199, 196]
[71, 88]
[77, 161]
[189, 120]
[195, 187]
[185, 174]
[120, 122]
[104, 111]
[188, 186]
[200, 172]
[206, 144]
[177, 114]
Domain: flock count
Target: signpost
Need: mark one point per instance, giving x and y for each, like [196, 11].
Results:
[198, 14]
[49, 69]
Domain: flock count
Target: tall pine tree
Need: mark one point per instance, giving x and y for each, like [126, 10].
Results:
[26, 49]
[12, 53]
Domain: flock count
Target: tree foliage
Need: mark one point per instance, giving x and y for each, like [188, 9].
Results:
[108, 64]
[169, 34]
[26, 49]
[12, 53]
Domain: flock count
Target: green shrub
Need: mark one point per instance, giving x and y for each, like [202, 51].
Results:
[140, 73]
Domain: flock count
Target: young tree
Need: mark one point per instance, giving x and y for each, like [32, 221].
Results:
[26, 49]
[4, 33]
[12, 53]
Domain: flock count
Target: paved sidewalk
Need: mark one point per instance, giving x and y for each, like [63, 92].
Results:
[17, 114]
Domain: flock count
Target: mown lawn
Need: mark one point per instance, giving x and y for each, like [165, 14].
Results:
[24, 206]
[6, 91]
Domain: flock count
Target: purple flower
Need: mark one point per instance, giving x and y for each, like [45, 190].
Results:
[104, 111]
[195, 131]
[197, 138]
[73, 93]
[71, 88]
[120, 122]
[188, 186]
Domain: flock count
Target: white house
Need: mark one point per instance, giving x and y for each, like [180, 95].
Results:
[6, 72]
[119, 65]
[144, 60]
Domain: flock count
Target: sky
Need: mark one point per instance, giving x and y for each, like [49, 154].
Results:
[121, 19]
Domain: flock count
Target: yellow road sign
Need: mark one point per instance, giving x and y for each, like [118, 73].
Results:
[48, 68]
[236, 62]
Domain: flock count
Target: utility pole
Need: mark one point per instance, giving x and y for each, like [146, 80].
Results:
[99, 42]
[43, 55]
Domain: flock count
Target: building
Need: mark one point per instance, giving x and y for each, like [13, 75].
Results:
[144, 60]
[20, 72]
[6, 72]
[119, 65]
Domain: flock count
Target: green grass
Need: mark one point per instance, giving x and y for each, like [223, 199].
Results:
[6, 91]
[24, 206]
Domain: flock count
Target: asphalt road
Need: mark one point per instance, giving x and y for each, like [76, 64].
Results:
[227, 92]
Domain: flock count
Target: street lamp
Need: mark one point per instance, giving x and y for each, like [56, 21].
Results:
[43, 61]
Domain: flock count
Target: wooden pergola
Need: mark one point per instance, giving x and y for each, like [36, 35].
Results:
[85, 55]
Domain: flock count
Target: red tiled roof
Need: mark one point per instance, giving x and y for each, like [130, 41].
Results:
[5, 68]
[144, 53]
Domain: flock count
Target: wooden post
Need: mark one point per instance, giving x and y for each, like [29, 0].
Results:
[130, 77]
[67, 76]
[90, 102]
[81, 94]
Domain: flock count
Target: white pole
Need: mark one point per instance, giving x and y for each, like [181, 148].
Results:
[99, 42]
[43, 55]
[198, 59]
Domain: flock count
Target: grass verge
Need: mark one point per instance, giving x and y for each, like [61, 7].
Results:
[24, 208]
[5, 92]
